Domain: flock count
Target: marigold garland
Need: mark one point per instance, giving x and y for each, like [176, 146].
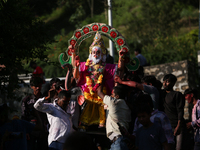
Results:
[87, 62]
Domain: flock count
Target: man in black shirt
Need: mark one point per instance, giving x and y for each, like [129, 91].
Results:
[174, 103]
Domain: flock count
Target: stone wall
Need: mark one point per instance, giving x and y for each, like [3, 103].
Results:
[185, 72]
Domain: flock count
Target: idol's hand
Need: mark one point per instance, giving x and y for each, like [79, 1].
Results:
[71, 48]
[122, 52]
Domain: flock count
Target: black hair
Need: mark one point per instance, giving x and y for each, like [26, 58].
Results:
[149, 79]
[143, 108]
[120, 90]
[132, 77]
[158, 84]
[193, 91]
[36, 81]
[144, 99]
[64, 93]
[59, 84]
[54, 80]
[138, 50]
[170, 77]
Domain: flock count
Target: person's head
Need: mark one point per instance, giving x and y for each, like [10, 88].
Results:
[158, 84]
[97, 50]
[118, 92]
[33, 64]
[64, 99]
[137, 51]
[169, 81]
[144, 114]
[144, 99]
[59, 86]
[53, 82]
[36, 85]
[139, 72]
[191, 95]
[133, 77]
[149, 80]
[79, 141]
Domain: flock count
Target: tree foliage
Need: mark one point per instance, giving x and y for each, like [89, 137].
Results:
[171, 49]
[23, 37]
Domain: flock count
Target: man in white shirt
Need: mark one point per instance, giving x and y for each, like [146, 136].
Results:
[59, 120]
[118, 114]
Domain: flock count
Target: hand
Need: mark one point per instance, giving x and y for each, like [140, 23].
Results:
[189, 125]
[51, 93]
[71, 48]
[77, 61]
[122, 52]
[177, 130]
[117, 79]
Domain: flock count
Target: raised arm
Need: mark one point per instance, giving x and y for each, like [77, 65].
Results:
[129, 83]
[121, 63]
[42, 103]
[100, 93]
[76, 68]
[68, 77]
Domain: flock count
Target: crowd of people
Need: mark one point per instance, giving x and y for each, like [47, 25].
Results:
[137, 112]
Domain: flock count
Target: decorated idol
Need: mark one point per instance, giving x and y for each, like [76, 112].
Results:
[95, 71]
[90, 75]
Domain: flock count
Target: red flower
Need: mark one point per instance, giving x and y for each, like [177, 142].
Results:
[86, 30]
[78, 34]
[120, 41]
[124, 49]
[104, 29]
[72, 42]
[113, 34]
[69, 52]
[95, 28]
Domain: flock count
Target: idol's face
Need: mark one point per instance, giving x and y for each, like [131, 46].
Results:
[95, 55]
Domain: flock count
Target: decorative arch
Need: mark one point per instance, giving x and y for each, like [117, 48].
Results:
[87, 31]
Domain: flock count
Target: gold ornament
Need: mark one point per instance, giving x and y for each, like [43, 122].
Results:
[98, 41]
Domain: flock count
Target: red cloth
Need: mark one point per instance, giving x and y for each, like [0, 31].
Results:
[38, 70]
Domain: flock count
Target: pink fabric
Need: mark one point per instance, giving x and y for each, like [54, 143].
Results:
[108, 77]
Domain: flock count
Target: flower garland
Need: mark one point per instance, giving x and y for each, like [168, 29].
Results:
[91, 95]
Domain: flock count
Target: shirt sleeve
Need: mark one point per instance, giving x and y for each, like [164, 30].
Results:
[136, 126]
[153, 92]
[166, 125]
[196, 123]
[180, 103]
[162, 136]
[40, 105]
[107, 100]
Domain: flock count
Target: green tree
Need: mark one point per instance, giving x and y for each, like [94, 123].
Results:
[23, 37]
